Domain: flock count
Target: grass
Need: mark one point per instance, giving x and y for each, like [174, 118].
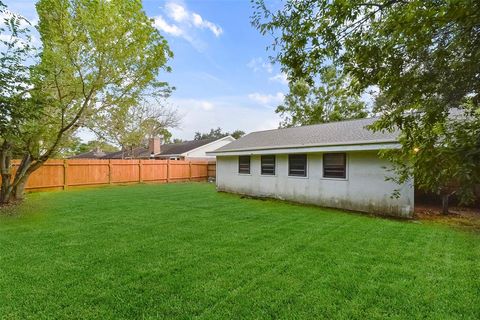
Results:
[184, 251]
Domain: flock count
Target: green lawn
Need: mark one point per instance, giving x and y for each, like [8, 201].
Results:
[184, 251]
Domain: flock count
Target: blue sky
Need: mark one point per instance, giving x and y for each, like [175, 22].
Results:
[220, 69]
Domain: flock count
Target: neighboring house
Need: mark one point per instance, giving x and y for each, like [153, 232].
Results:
[96, 153]
[333, 165]
[187, 150]
[192, 150]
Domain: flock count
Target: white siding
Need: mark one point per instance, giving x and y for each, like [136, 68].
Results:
[201, 151]
[365, 188]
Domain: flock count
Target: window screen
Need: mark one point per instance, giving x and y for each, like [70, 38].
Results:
[334, 165]
[297, 165]
[268, 165]
[244, 164]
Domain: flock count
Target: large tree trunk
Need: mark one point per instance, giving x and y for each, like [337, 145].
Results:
[6, 172]
[446, 192]
[445, 198]
[18, 191]
[25, 168]
[6, 191]
[14, 189]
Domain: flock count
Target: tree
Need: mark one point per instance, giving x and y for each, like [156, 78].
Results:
[213, 134]
[217, 134]
[445, 161]
[95, 55]
[422, 56]
[130, 127]
[15, 105]
[76, 146]
[94, 144]
[330, 101]
[237, 134]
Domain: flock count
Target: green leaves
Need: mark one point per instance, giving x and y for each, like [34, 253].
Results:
[15, 81]
[129, 127]
[98, 57]
[217, 134]
[333, 100]
[421, 55]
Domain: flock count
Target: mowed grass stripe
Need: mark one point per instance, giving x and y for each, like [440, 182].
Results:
[185, 251]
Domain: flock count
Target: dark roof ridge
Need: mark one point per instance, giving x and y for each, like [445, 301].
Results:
[188, 141]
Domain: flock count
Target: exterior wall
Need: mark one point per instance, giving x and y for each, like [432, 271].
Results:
[201, 151]
[364, 189]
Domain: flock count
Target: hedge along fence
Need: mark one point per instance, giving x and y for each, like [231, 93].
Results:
[63, 174]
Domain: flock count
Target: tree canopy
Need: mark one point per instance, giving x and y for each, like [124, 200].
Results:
[77, 146]
[217, 134]
[331, 100]
[420, 56]
[130, 127]
[95, 56]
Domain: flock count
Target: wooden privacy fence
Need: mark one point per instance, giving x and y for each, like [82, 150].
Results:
[212, 169]
[62, 174]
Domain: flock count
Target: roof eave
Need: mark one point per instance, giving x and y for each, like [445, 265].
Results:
[377, 145]
[206, 145]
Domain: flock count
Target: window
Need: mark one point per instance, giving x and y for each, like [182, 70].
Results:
[268, 165]
[335, 165]
[297, 165]
[244, 164]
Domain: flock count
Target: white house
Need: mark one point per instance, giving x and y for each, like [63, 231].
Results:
[191, 150]
[332, 165]
[185, 150]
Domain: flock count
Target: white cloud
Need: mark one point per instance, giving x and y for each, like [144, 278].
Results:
[176, 12]
[204, 114]
[162, 25]
[204, 105]
[279, 77]
[258, 64]
[267, 99]
[199, 22]
[183, 23]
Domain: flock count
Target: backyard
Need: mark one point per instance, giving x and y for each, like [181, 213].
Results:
[185, 251]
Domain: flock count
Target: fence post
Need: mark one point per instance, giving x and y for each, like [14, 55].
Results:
[65, 182]
[110, 171]
[140, 180]
[190, 170]
[168, 170]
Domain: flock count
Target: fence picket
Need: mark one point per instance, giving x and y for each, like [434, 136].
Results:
[64, 174]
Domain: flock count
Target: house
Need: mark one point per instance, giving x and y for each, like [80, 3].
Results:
[187, 150]
[96, 153]
[332, 165]
[195, 149]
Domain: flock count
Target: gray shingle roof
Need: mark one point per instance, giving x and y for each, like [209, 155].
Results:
[182, 147]
[171, 149]
[348, 132]
[93, 154]
[138, 152]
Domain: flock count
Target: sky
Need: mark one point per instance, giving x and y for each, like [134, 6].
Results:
[221, 71]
